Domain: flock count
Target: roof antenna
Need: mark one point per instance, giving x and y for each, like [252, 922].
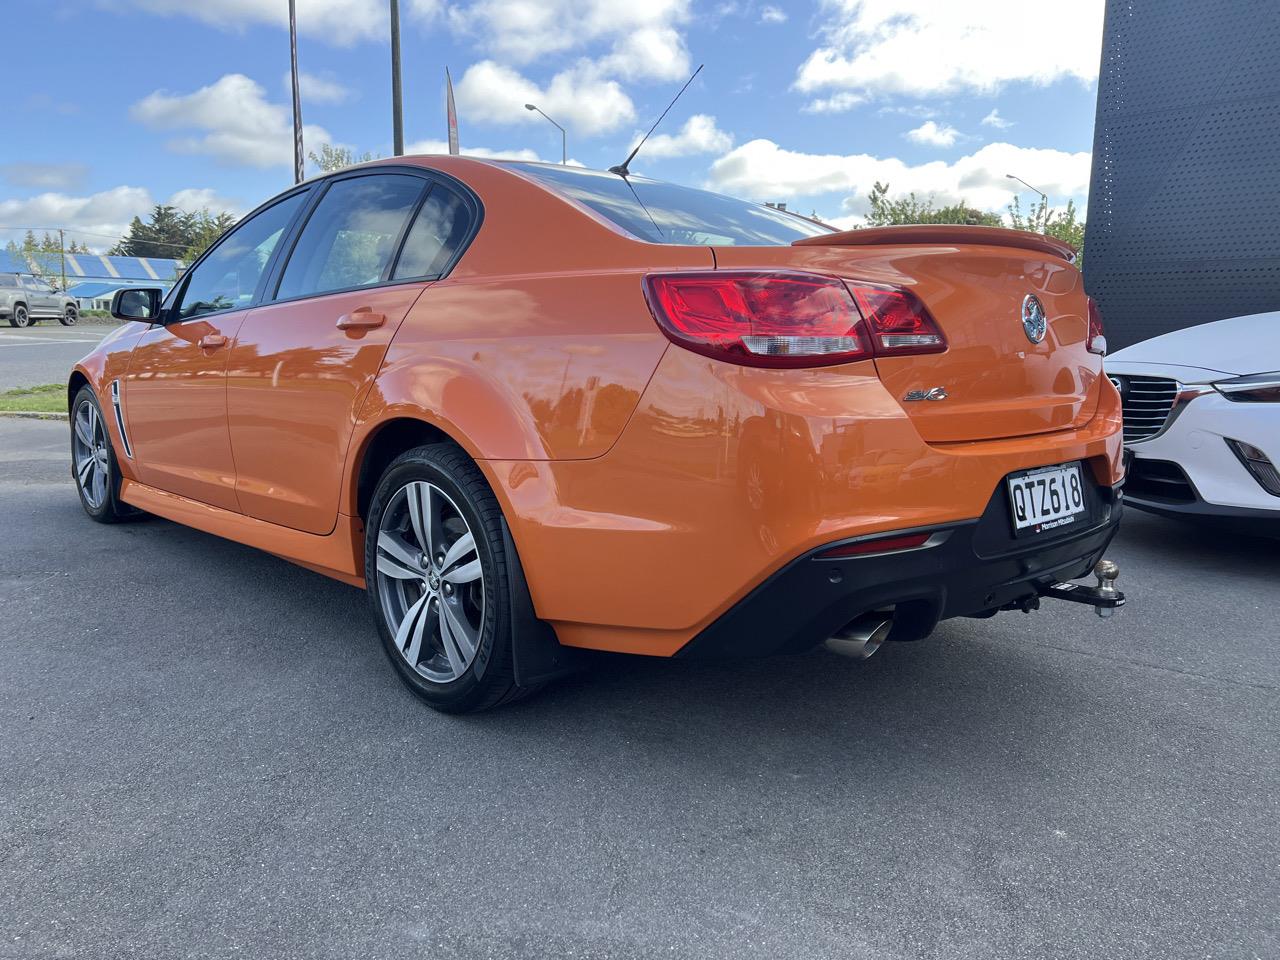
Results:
[622, 169]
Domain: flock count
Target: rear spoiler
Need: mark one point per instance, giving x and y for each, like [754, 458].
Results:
[945, 234]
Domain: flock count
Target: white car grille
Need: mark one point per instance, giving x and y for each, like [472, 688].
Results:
[1147, 403]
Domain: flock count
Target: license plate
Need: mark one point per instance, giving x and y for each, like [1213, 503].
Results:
[1047, 498]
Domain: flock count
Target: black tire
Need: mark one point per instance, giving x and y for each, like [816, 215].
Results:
[69, 318]
[21, 316]
[111, 509]
[489, 679]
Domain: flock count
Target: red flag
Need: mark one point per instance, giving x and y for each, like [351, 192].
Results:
[453, 117]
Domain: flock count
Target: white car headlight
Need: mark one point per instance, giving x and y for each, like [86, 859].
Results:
[1255, 388]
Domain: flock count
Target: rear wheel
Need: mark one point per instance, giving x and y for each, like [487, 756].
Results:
[93, 462]
[20, 318]
[69, 318]
[436, 570]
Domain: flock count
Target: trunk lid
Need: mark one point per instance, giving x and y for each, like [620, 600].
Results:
[998, 382]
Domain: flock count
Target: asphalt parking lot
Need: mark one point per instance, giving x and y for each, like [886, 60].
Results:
[44, 353]
[205, 754]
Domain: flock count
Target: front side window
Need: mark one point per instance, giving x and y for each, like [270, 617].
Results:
[350, 237]
[228, 278]
[437, 233]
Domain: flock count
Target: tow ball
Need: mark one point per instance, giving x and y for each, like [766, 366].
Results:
[1104, 598]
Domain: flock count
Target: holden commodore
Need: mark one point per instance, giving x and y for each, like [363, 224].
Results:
[532, 408]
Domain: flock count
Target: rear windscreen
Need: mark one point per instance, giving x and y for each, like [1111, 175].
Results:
[666, 213]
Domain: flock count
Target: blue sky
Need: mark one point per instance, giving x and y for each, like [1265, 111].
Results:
[808, 102]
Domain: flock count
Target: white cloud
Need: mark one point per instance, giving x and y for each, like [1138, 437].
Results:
[698, 135]
[240, 127]
[763, 170]
[772, 14]
[578, 98]
[340, 22]
[316, 89]
[993, 119]
[194, 199]
[927, 48]
[836, 103]
[933, 134]
[442, 146]
[101, 218]
[645, 41]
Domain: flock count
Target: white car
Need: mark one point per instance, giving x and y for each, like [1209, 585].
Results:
[1202, 422]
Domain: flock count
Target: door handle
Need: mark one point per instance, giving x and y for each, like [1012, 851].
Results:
[211, 341]
[361, 318]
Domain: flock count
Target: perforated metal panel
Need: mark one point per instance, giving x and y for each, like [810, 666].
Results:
[1184, 204]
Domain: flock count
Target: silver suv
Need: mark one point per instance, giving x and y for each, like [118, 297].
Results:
[25, 300]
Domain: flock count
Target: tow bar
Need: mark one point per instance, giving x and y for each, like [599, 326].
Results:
[1104, 598]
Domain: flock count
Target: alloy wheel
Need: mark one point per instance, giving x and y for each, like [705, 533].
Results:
[430, 581]
[89, 449]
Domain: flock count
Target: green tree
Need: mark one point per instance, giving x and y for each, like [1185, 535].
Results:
[166, 233]
[1064, 224]
[42, 258]
[331, 159]
[910, 209]
[206, 227]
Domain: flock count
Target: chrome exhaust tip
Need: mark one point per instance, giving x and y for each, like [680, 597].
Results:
[861, 637]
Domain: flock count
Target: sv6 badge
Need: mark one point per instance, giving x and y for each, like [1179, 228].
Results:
[933, 393]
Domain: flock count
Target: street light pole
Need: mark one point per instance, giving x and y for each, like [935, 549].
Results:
[564, 140]
[1044, 199]
[397, 108]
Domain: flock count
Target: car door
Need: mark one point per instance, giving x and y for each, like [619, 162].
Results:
[175, 393]
[42, 300]
[303, 363]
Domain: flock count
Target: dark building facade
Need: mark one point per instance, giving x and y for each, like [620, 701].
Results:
[1184, 203]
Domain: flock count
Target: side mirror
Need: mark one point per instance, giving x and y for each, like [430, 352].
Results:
[140, 303]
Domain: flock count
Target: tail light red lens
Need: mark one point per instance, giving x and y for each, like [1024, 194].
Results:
[759, 319]
[788, 318]
[899, 322]
[1096, 341]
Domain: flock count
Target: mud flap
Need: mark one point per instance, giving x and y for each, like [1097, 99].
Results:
[536, 654]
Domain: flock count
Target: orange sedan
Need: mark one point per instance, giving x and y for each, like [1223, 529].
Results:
[532, 408]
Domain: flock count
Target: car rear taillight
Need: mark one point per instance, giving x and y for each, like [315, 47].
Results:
[787, 318]
[1096, 341]
[775, 319]
[898, 320]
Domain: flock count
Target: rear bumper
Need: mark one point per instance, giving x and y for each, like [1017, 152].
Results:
[963, 569]
[725, 475]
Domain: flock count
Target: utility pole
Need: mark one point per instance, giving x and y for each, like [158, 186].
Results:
[62, 249]
[397, 107]
[297, 98]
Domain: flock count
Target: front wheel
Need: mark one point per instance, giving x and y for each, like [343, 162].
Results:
[93, 462]
[69, 318]
[436, 570]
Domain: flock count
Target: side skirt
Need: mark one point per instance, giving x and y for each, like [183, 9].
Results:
[339, 555]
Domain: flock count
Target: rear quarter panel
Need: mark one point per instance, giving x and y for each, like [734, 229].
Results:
[539, 343]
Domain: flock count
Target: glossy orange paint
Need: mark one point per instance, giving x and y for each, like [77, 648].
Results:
[646, 488]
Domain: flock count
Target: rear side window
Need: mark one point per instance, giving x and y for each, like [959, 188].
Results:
[667, 213]
[6, 281]
[437, 233]
[351, 236]
[228, 277]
